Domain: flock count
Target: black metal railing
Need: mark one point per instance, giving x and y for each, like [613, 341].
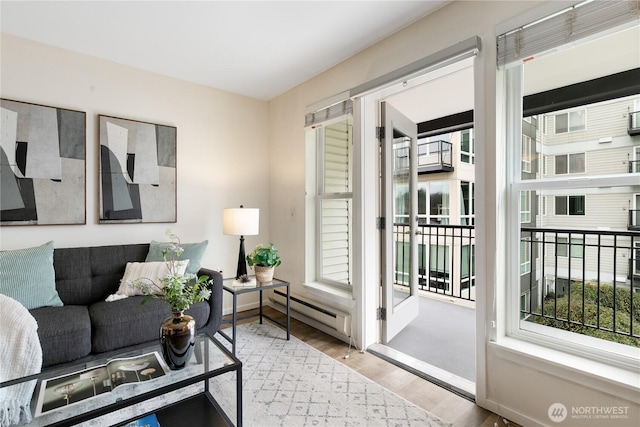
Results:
[634, 166]
[446, 259]
[634, 219]
[589, 281]
[634, 123]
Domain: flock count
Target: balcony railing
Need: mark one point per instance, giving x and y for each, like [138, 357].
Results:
[586, 281]
[435, 156]
[446, 259]
[634, 123]
[634, 166]
[634, 219]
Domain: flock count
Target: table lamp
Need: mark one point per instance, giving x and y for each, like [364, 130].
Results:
[241, 222]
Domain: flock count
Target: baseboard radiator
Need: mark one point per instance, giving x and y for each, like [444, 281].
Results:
[337, 323]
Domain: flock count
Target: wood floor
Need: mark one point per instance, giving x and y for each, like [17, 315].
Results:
[438, 401]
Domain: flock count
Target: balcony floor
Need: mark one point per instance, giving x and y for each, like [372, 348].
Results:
[439, 343]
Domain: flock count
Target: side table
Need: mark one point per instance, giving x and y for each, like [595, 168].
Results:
[235, 290]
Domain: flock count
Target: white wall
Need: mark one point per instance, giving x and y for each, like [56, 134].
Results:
[222, 146]
[510, 383]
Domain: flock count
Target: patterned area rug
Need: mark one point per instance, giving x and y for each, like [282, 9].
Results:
[289, 383]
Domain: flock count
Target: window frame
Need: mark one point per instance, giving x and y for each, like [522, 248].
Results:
[320, 195]
[565, 341]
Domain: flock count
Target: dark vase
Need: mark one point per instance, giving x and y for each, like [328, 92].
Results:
[177, 339]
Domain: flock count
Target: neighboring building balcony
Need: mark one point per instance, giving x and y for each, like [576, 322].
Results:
[634, 219]
[435, 157]
[634, 123]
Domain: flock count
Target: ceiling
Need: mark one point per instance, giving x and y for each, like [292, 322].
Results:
[258, 49]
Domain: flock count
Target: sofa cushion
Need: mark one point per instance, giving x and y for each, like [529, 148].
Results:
[64, 332]
[191, 251]
[89, 274]
[151, 273]
[125, 322]
[27, 275]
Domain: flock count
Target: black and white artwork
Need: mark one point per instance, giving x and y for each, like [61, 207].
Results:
[137, 171]
[42, 164]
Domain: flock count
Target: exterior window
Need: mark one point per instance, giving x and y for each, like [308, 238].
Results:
[525, 207]
[570, 163]
[439, 267]
[571, 121]
[433, 203]
[570, 205]
[526, 153]
[467, 203]
[467, 147]
[636, 259]
[543, 205]
[525, 257]
[577, 247]
[439, 202]
[468, 267]
[334, 203]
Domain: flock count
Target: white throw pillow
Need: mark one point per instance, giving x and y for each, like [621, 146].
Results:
[153, 271]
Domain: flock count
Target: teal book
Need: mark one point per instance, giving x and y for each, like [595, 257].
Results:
[148, 421]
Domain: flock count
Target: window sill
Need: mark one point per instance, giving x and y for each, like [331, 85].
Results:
[330, 295]
[618, 381]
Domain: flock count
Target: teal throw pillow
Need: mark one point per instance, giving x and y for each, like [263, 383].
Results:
[27, 276]
[192, 251]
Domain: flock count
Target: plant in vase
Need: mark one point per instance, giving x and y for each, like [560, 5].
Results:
[263, 260]
[179, 291]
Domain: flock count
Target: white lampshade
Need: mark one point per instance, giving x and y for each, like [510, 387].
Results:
[241, 221]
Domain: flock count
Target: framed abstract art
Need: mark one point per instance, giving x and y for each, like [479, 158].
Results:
[137, 171]
[42, 164]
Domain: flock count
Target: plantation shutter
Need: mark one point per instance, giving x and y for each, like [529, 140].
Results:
[582, 20]
[335, 201]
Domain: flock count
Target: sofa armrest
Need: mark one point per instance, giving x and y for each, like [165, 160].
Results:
[215, 301]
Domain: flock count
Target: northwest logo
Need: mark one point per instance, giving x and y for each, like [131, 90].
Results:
[557, 412]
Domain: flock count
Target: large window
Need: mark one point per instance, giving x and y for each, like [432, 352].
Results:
[580, 113]
[433, 202]
[329, 152]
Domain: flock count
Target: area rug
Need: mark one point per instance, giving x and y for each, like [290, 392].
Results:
[289, 383]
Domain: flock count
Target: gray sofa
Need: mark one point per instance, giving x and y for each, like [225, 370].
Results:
[86, 326]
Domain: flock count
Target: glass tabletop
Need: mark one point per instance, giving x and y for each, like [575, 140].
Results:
[122, 380]
[234, 286]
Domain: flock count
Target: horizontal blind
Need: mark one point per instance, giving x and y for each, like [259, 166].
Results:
[569, 25]
[331, 112]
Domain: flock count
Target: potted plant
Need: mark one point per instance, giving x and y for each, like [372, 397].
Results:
[177, 333]
[263, 260]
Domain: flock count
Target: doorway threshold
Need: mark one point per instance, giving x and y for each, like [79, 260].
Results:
[451, 382]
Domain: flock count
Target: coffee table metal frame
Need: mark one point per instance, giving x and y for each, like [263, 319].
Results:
[235, 365]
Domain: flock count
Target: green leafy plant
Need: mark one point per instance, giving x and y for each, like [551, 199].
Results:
[265, 256]
[178, 290]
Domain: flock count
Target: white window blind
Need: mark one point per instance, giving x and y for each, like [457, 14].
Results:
[329, 113]
[580, 21]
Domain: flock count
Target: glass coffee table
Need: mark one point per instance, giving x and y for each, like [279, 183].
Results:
[136, 379]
